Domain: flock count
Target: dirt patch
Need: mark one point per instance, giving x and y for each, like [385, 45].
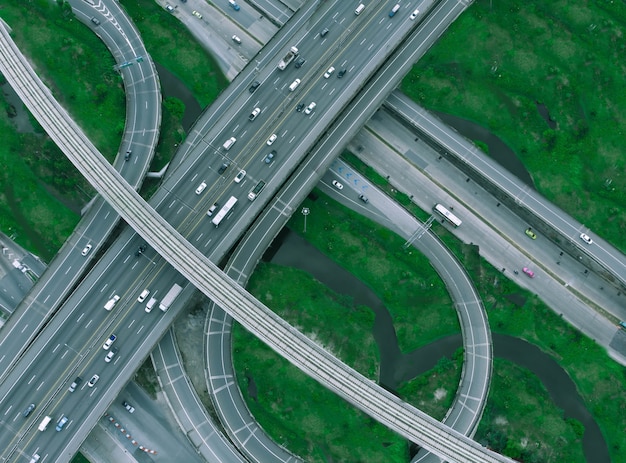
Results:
[189, 331]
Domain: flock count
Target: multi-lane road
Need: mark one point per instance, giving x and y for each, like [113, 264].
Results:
[194, 270]
[319, 70]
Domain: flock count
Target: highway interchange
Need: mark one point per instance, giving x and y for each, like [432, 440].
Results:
[190, 186]
[388, 407]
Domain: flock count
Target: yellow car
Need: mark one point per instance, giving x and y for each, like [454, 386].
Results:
[531, 233]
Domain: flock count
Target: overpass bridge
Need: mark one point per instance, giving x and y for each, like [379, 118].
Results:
[408, 421]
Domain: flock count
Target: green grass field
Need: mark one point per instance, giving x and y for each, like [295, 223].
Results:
[40, 191]
[499, 59]
[542, 435]
[171, 45]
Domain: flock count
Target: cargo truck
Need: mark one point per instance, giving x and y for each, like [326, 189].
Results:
[172, 294]
[288, 58]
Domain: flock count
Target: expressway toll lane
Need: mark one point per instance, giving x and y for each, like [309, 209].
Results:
[291, 250]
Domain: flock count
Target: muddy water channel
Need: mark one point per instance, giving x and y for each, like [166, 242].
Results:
[291, 250]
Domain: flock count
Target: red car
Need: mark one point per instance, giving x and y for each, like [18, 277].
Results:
[528, 272]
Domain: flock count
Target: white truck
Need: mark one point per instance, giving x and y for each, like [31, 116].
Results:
[111, 302]
[288, 58]
[172, 294]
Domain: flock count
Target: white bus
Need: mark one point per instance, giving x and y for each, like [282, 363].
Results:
[224, 211]
[447, 215]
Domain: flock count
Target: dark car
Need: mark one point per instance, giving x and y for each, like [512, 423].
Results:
[270, 157]
[96, 21]
[28, 410]
[324, 31]
[223, 168]
[254, 86]
[341, 73]
[300, 107]
[141, 250]
[300, 62]
[127, 155]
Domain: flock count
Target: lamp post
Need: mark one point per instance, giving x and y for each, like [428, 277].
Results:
[305, 211]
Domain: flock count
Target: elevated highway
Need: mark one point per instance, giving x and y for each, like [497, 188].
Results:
[404, 419]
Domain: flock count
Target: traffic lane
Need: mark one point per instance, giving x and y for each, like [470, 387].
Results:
[101, 208]
[64, 344]
[162, 435]
[472, 315]
[563, 223]
[183, 401]
[502, 255]
[547, 255]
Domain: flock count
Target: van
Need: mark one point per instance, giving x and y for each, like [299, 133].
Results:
[150, 304]
[394, 10]
[44, 423]
[228, 144]
[359, 8]
[234, 5]
[294, 85]
[144, 294]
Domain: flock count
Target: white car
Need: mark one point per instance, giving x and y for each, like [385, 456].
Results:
[329, 72]
[414, 15]
[212, 209]
[271, 139]
[196, 14]
[200, 188]
[169, 7]
[240, 176]
[94, 379]
[586, 238]
[109, 342]
[86, 250]
[337, 185]
[110, 355]
[309, 109]
[144, 294]
[236, 39]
